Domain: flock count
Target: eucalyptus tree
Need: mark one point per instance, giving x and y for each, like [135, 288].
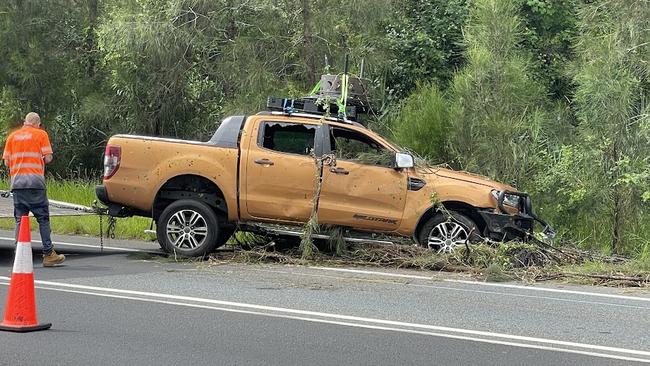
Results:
[498, 109]
[610, 162]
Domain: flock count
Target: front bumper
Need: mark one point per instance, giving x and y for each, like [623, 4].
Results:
[503, 225]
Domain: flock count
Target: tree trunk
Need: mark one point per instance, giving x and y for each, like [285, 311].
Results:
[307, 43]
[617, 221]
[90, 41]
[231, 27]
[618, 200]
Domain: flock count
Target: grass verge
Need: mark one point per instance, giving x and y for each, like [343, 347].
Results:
[82, 193]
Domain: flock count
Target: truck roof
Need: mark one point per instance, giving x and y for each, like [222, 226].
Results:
[310, 115]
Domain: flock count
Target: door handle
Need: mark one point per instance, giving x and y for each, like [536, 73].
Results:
[264, 162]
[339, 171]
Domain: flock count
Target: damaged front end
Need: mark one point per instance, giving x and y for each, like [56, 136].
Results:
[513, 218]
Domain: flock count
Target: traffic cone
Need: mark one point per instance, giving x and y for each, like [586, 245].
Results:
[20, 312]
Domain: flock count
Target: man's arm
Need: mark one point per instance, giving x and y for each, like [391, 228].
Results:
[7, 153]
[46, 148]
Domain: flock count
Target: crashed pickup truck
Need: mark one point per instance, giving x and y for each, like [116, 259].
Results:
[264, 168]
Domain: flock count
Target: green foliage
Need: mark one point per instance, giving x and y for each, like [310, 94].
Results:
[10, 110]
[550, 27]
[426, 40]
[82, 193]
[630, 268]
[502, 257]
[548, 95]
[423, 123]
[499, 111]
[382, 158]
[477, 256]
[47, 66]
[605, 174]
[337, 242]
[495, 273]
[307, 247]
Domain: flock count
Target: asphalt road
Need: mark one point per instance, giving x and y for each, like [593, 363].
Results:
[128, 305]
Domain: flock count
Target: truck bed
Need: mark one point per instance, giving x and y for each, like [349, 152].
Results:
[147, 163]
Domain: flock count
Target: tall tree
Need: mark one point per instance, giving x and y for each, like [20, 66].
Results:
[498, 111]
[611, 101]
[423, 123]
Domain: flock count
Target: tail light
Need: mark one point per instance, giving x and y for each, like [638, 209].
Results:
[112, 157]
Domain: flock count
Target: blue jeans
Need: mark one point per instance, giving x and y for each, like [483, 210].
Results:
[34, 200]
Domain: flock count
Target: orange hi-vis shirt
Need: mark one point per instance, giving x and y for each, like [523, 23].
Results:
[24, 150]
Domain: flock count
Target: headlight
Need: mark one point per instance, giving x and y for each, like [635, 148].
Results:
[508, 200]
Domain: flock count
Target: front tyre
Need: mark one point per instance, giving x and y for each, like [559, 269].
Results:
[188, 228]
[445, 232]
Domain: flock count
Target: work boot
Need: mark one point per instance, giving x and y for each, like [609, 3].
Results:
[52, 259]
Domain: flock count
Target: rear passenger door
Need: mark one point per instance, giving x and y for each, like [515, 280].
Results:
[280, 170]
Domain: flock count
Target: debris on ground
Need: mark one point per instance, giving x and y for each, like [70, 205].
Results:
[490, 261]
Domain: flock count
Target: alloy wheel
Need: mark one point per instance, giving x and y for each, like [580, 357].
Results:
[187, 229]
[447, 236]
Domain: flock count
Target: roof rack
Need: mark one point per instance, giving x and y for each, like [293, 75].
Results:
[342, 96]
[313, 105]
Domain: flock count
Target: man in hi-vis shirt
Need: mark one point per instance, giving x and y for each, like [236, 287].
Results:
[26, 152]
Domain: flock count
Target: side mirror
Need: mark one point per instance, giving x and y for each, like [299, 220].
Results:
[403, 161]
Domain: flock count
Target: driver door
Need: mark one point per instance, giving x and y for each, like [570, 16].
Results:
[362, 189]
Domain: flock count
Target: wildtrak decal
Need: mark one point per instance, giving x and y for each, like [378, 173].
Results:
[371, 218]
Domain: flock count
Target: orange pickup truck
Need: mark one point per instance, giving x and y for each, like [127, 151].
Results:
[262, 169]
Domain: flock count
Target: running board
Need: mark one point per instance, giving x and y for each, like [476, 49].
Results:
[271, 229]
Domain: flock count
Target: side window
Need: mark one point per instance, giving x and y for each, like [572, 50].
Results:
[354, 146]
[287, 137]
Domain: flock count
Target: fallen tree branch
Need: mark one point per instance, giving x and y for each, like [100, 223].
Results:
[638, 280]
[612, 277]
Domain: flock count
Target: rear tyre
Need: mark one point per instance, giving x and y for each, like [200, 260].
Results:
[188, 228]
[445, 232]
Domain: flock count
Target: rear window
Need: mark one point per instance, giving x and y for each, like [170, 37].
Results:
[288, 137]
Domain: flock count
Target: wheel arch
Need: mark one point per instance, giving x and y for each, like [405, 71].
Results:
[457, 206]
[190, 186]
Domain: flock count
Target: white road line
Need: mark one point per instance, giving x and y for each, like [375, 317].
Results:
[476, 283]
[86, 245]
[457, 289]
[397, 275]
[356, 325]
[546, 289]
[531, 296]
[348, 270]
[466, 333]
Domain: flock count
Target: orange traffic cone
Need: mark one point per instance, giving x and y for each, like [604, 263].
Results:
[20, 312]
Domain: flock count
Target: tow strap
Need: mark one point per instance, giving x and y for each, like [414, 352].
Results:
[60, 208]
